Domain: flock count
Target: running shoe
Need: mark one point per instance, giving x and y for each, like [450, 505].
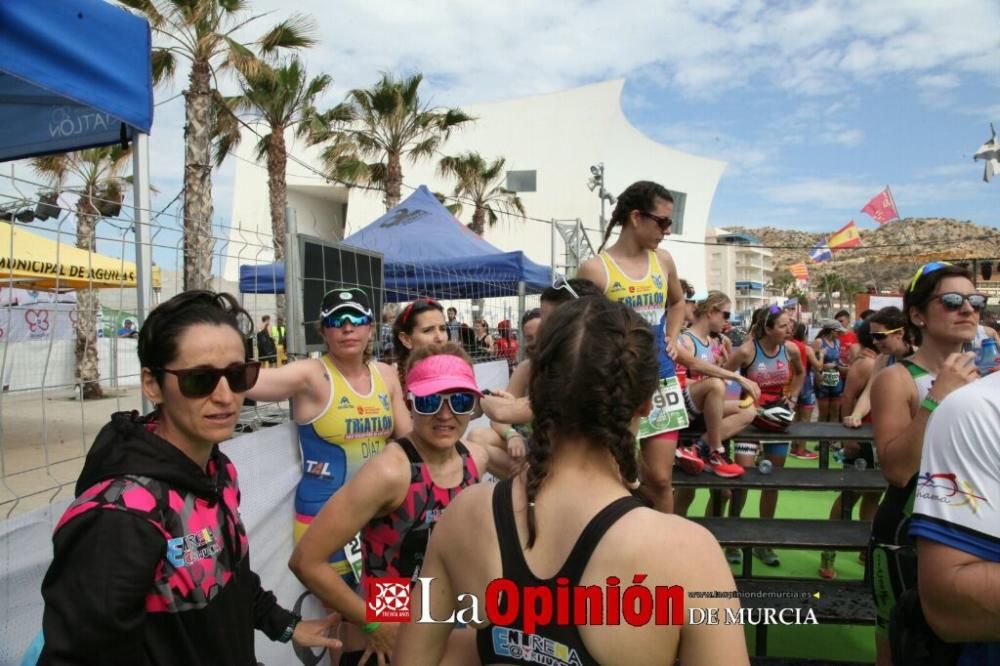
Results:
[688, 459]
[723, 466]
[805, 454]
[826, 569]
[767, 556]
[734, 556]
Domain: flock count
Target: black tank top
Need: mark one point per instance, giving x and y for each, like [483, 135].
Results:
[510, 645]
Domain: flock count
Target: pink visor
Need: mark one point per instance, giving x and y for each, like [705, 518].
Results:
[441, 373]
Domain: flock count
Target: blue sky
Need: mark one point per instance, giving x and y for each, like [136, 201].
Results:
[815, 105]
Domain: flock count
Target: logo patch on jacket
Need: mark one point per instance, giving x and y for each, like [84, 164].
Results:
[188, 549]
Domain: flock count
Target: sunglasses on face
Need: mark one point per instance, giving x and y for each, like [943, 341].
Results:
[925, 270]
[341, 319]
[953, 300]
[460, 403]
[201, 382]
[663, 222]
[882, 335]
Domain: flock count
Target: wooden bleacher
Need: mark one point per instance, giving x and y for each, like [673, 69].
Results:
[839, 602]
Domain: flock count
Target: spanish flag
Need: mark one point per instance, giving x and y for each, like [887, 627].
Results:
[844, 238]
[799, 271]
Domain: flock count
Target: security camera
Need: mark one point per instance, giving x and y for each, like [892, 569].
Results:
[594, 170]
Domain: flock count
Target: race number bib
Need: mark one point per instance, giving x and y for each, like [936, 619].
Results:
[669, 412]
[353, 553]
[830, 377]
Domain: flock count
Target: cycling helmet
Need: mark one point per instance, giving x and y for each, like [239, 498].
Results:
[773, 418]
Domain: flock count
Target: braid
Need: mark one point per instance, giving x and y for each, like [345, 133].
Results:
[591, 396]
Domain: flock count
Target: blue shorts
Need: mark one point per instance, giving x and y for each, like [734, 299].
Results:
[830, 392]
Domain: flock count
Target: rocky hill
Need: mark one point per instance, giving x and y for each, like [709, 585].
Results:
[888, 255]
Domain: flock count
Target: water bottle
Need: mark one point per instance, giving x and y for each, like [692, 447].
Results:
[765, 466]
[987, 359]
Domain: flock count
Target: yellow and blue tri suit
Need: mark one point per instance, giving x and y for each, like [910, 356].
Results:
[350, 430]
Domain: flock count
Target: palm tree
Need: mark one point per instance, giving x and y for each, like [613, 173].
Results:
[371, 131]
[282, 98]
[782, 280]
[204, 32]
[479, 182]
[96, 179]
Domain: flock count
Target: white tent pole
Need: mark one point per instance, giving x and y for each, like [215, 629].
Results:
[143, 248]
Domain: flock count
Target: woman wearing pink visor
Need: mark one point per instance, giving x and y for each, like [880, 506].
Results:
[395, 499]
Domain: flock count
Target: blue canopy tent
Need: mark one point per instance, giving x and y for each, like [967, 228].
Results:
[427, 252]
[78, 74]
[73, 74]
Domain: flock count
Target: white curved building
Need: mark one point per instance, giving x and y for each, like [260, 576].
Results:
[555, 137]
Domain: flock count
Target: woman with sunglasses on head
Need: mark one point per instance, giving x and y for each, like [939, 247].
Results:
[151, 562]
[396, 498]
[569, 519]
[421, 323]
[636, 273]
[346, 406]
[887, 328]
[942, 309]
[771, 359]
[831, 378]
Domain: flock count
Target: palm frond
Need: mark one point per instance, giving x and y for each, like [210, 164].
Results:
[293, 33]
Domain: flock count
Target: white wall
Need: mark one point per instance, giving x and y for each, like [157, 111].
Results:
[559, 135]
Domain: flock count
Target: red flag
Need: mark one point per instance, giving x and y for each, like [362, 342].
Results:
[845, 237]
[882, 208]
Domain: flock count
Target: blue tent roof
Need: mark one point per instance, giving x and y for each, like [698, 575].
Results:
[427, 252]
[73, 74]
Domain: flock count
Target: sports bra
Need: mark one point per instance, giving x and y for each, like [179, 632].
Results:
[394, 544]
[552, 644]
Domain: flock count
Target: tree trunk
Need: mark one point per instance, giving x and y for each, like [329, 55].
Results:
[479, 220]
[87, 369]
[198, 241]
[393, 180]
[278, 191]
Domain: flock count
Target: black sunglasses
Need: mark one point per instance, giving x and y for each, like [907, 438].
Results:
[663, 222]
[953, 300]
[200, 382]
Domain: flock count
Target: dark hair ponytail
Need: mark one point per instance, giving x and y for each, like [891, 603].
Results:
[594, 365]
[640, 196]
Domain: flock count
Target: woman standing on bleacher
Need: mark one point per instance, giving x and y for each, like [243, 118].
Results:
[942, 310]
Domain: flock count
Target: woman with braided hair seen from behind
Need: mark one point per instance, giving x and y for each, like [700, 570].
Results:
[635, 272]
[593, 373]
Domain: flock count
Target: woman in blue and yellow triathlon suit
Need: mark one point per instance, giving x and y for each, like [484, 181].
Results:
[346, 407]
[635, 272]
